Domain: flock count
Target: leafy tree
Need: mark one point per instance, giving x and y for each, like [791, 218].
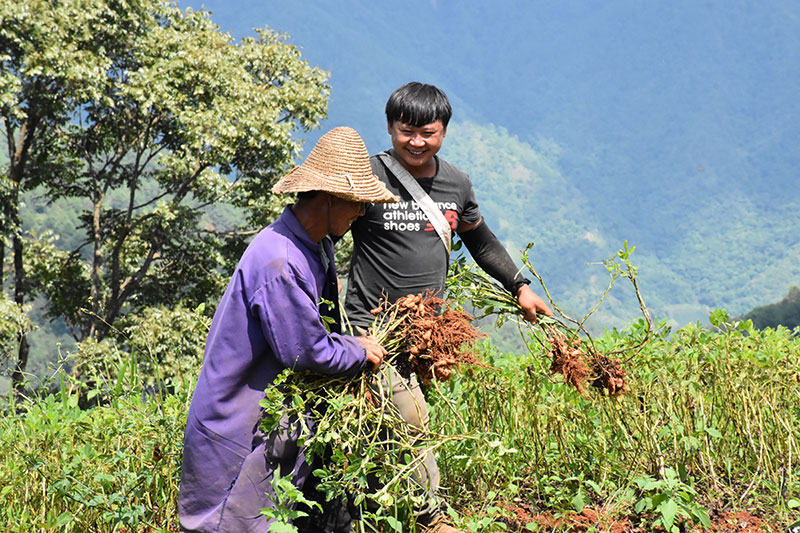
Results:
[149, 114]
[158, 350]
[41, 77]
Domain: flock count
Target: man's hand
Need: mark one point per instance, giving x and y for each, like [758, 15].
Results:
[375, 352]
[532, 304]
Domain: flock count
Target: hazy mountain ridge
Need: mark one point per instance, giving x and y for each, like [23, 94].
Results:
[676, 127]
[729, 253]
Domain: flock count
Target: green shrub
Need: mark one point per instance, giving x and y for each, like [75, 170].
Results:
[169, 344]
[158, 350]
[108, 468]
[13, 323]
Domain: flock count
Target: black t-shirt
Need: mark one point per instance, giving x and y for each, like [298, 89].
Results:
[396, 251]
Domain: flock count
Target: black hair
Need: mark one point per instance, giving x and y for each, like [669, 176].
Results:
[306, 195]
[417, 104]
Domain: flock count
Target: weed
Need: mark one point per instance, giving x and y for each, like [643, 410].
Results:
[673, 502]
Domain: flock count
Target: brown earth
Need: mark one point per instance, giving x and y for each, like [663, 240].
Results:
[590, 519]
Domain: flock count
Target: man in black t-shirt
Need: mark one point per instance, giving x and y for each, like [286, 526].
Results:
[396, 250]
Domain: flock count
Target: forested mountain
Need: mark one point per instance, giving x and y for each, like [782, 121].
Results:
[672, 125]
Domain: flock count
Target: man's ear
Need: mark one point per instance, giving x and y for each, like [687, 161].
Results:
[389, 127]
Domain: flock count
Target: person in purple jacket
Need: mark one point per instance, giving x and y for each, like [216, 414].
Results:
[269, 319]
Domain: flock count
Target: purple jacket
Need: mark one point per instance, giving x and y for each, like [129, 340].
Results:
[267, 320]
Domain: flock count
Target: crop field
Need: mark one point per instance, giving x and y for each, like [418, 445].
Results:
[635, 430]
[707, 428]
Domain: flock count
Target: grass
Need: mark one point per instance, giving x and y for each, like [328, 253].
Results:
[721, 410]
[109, 468]
[710, 422]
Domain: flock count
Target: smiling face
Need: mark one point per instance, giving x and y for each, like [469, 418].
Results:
[342, 214]
[415, 146]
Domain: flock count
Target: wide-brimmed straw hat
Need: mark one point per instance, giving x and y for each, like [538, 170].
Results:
[338, 164]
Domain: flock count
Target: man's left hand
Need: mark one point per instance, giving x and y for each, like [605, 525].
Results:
[532, 304]
[374, 351]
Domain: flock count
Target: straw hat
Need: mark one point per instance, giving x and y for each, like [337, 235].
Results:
[338, 164]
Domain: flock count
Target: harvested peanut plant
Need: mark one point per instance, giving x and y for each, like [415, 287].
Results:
[571, 350]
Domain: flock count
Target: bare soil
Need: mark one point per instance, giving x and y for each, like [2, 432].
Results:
[594, 520]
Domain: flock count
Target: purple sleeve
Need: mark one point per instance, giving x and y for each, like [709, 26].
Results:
[292, 326]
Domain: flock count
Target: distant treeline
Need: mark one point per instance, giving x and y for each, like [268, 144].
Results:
[784, 313]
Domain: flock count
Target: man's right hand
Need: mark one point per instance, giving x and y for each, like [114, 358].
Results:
[375, 352]
[532, 304]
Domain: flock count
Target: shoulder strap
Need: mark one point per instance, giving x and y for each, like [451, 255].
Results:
[422, 198]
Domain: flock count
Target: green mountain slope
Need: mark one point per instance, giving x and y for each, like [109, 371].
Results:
[672, 125]
[731, 252]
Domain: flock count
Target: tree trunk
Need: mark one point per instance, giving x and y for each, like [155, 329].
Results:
[16, 173]
[97, 266]
[18, 377]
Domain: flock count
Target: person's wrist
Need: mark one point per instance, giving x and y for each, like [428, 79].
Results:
[518, 285]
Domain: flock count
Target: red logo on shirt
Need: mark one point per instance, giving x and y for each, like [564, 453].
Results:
[451, 217]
